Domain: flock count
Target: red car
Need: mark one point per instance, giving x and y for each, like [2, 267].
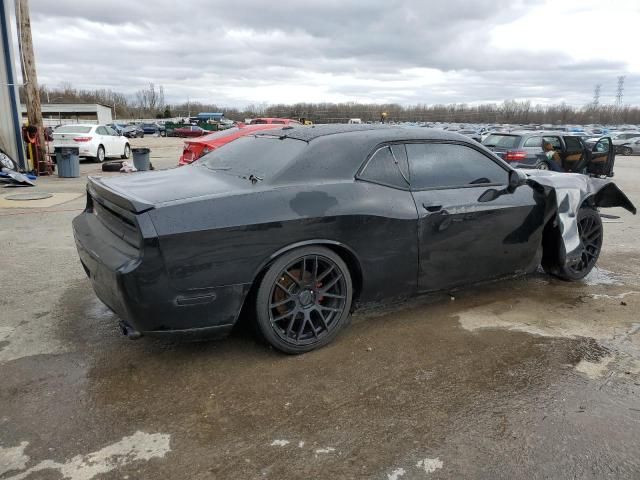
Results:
[194, 149]
[276, 121]
[190, 131]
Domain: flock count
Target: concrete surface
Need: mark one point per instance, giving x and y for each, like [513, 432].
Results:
[523, 378]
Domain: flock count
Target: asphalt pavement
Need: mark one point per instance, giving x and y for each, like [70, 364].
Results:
[522, 378]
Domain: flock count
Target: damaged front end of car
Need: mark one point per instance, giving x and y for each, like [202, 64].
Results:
[568, 193]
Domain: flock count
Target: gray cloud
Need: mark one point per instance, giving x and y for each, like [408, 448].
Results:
[256, 51]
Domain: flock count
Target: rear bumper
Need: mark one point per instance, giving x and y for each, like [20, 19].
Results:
[134, 284]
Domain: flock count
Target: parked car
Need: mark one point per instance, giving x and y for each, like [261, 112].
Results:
[276, 121]
[117, 127]
[471, 134]
[614, 136]
[299, 226]
[194, 149]
[133, 131]
[190, 131]
[7, 162]
[150, 128]
[524, 150]
[96, 142]
[627, 146]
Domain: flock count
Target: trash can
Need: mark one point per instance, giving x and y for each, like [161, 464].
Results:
[68, 161]
[141, 158]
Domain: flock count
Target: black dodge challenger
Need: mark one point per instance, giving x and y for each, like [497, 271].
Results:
[298, 226]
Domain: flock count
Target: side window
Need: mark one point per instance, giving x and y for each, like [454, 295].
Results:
[602, 146]
[573, 144]
[111, 132]
[555, 141]
[439, 165]
[533, 142]
[400, 158]
[101, 131]
[385, 167]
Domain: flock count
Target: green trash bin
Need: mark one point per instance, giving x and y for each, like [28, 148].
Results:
[141, 158]
[68, 160]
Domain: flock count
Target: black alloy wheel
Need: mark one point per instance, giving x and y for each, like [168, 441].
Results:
[304, 299]
[591, 234]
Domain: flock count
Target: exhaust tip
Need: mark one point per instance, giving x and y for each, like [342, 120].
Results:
[128, 331]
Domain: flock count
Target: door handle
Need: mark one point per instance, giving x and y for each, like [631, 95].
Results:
[432, 208]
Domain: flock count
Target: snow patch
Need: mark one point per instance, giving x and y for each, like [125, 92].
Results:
[593, 370]
[600, 276]
[620, 296]
[396, 474]
[139, 446]
[325, 450]
[279, 443]
[13, 458]
[430, 465]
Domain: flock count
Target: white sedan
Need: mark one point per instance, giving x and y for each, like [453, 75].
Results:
[94, 141]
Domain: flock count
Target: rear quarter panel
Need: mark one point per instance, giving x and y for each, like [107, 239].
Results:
[228, 240]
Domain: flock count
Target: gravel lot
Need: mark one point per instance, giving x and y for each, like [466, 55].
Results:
[522, 378]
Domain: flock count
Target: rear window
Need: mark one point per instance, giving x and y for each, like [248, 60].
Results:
[501, 140]
[72, 129]
[260, 156]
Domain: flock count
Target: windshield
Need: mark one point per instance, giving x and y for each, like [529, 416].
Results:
[73, 129]
[499, 140]
[260, 156]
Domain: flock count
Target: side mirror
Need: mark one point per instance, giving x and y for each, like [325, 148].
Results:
[517, 178]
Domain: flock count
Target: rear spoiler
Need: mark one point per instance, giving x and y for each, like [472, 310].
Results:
[129, 202]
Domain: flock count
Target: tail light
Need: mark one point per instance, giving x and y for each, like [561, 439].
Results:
[515, 155]
[82, 139]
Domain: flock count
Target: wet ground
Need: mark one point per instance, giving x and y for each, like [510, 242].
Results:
[522, 378]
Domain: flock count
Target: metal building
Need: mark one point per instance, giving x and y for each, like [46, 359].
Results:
[10, 125]
[54, 114]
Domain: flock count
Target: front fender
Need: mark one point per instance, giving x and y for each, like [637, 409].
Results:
[570, 191]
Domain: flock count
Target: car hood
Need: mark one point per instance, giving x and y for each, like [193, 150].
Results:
[142, 191]
[568, 191]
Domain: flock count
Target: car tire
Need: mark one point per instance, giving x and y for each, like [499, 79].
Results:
[7, 162]
[591, 237]
[542, 166]
[127, 152]
[113, 166]
[304, 299]
[100, 155]
[626, 151]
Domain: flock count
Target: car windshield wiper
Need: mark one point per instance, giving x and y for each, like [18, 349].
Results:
[489, 145]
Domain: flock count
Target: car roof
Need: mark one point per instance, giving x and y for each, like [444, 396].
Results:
[383, 133]
[336, 152]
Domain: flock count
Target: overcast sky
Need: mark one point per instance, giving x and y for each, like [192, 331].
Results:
[234, 53]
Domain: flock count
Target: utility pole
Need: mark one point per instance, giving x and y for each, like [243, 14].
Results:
[29, 76]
